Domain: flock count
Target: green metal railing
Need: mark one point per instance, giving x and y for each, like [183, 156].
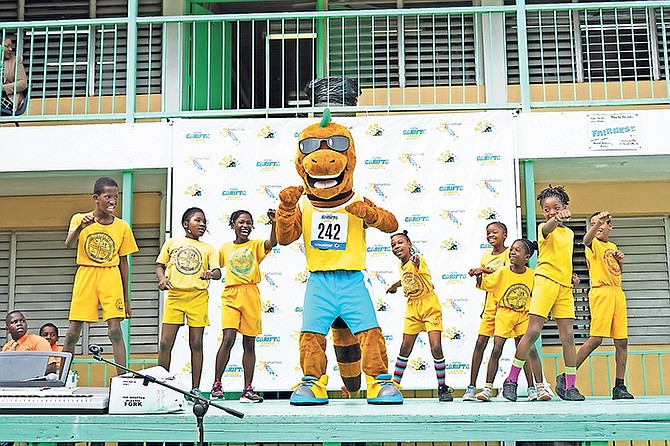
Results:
[432, 59]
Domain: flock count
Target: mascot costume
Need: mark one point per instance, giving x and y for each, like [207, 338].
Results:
[332, 219]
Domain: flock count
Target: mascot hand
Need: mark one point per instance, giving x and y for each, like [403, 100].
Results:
[289, 196]
[363, 211]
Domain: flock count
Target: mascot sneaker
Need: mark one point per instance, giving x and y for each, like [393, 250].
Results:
[310, 392]
[382, 390]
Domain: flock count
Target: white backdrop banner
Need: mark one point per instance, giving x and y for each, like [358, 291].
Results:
[445, 177]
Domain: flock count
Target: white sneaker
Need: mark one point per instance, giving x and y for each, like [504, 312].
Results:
[485, 394]
[543, 394]
[532, 394]
[470, 394]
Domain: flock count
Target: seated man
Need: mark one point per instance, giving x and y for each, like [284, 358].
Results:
[14, 79]
[22, 341]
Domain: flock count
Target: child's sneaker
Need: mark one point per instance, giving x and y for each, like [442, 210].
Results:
[560, 385]
[485, 394]
[543, 394]
[217, 391]
[620, 392]
[249, 396]
[509, 390]
[444, 393]
[195, 394]
[572, 394]
[470, 394]
[532, 394]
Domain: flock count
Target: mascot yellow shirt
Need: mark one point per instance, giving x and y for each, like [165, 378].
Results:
[334, 239]
[101, 245]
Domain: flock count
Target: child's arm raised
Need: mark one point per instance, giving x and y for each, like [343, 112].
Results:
[72, 236]
[554, 221]
[603, 218]
[272, 241]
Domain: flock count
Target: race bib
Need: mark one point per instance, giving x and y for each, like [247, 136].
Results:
[329, 230]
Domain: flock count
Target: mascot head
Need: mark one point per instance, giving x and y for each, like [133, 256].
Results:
[325, 161]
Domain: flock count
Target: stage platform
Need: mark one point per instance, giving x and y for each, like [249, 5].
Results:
[417, 420]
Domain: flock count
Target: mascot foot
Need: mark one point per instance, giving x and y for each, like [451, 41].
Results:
[382, 390]
[310, 392]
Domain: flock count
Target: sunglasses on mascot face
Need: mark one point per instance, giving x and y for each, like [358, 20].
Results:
[336, 143]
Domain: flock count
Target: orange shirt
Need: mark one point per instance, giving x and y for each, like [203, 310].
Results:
[27, 342]
[56, 348]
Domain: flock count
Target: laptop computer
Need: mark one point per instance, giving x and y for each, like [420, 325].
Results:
[28, 369]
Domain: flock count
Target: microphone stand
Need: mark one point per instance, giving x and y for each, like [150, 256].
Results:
[200, 405]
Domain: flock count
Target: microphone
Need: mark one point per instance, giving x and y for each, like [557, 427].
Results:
[47, 377]
[95, 349]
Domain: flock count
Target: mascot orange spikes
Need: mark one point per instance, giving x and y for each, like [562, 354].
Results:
[332, 219]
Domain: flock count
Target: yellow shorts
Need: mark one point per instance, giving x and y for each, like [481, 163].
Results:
[192, 304]
[551, 297]
[95, 285]
[608, 312]
[510, 323]
[423, 314]
[488, 324]
[241, 309]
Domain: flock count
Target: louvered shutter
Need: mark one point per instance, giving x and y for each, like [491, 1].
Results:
[366, 49]
[663, 35]
[4, 280]
[644, 242]
[45, 271]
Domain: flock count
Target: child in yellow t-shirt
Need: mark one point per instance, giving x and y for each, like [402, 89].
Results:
[607, 301]
[423, 313]
[552, 292]
[103, 241]
[241, 299]
[510, 287]
[184, 268]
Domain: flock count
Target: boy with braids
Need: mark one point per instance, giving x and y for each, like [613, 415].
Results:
[552, 292]
[607, 301]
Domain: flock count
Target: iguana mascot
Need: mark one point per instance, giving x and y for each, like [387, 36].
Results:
[332, 219]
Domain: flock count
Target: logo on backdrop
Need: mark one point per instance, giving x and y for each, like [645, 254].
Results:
[381, 305]
[267, 340]
[450, 245]
[414, 132]
[233, 193]
[268, 165]
[489, 185]
[417, 220]
[377, 163]
[449, 129]
[194, 190]
[269, 307]
[378, 276]
[454, 277]
[451, 189]
[413, 187]
[266, 366]
[375, 130]
[197, 163]
[447, 157]
[378, 250]
[228, 162]
[451, 303]
[488, 214]
[266, 133]
[378, 188]
[228, 133]
[411, 159]
[267, 191]
[484, 126]
[267, 278]
[418, 364]
[197, 137]
[452, 216]
[488, 159]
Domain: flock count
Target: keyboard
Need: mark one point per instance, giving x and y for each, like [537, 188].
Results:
[63, 400]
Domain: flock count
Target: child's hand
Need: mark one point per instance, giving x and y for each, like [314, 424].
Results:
[478, 271]
[393, 288]
[619, 255]
[272, 215]
[164, 284]
[88, 220]
[564, 215]
[206, 275]
[575, 279]
[416, 260]
[603, 217]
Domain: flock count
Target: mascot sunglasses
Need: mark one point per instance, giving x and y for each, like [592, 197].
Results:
[336, 143]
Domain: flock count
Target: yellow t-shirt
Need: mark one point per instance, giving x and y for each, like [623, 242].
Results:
[509, 289]
[416, 282]
[603, 267]
[494, 262]
[242, 261]
[554, 260]
[185, 259]
[334, 239]
[102, 245]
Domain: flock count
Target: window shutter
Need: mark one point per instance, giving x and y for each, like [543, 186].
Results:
[4, 279]
[644, 242]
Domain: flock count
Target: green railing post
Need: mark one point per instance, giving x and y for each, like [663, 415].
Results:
[127, 215]
[131, 63]
[531, 220]
[320, 68]
[522, 37]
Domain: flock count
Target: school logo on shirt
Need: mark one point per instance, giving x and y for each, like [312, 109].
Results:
[188, 260]
[610, 261]
[411, 285]
[99, 247]
[516, 297]
[242, 262]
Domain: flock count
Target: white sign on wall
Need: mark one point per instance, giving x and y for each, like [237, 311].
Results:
[445, 177]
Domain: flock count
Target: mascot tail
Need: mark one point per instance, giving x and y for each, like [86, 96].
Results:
[348, 355]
